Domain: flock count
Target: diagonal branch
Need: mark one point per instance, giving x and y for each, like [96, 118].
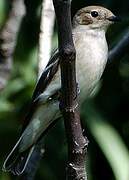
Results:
[69, 105]
[117, 52]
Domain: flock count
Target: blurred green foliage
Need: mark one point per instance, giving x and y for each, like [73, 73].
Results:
[105, 118]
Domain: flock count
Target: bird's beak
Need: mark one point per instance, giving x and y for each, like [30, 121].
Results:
[114, 18]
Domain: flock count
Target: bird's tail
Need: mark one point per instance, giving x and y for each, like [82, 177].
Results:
[17, 162]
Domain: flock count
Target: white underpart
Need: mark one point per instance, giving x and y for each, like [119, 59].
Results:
[91, 54]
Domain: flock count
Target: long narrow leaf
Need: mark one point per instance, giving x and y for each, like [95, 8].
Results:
[111, 145]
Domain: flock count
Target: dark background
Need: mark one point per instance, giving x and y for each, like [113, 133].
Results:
[105, 118]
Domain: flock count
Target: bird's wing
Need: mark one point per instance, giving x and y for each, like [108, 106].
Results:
[17, 162]
[47, 75]
[42, 84]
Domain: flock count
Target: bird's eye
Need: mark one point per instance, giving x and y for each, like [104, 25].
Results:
[94, 14]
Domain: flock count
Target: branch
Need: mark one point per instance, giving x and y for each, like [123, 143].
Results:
[77, 144]
[120, 49]
[8, 37]
[46, 32]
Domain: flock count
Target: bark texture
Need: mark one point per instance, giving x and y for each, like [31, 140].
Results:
[77, 143]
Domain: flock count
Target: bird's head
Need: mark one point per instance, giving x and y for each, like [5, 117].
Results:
[94, 17]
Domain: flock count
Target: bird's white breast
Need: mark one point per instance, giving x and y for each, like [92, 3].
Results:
[91, 57]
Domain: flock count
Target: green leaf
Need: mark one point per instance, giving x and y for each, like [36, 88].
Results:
[4, 176]
[5, 106]
[111, 145]
[13, 87]
[2, 11]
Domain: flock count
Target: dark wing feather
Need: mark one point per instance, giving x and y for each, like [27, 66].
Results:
[47, 75]
[19, 163]
[42, 84]
[16, 162]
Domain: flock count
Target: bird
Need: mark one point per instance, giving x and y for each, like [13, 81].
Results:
[89, 27]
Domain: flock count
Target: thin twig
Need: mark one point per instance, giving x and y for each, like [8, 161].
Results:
[8, 41]
[69, 106]
[46, 32]
[120, 49]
